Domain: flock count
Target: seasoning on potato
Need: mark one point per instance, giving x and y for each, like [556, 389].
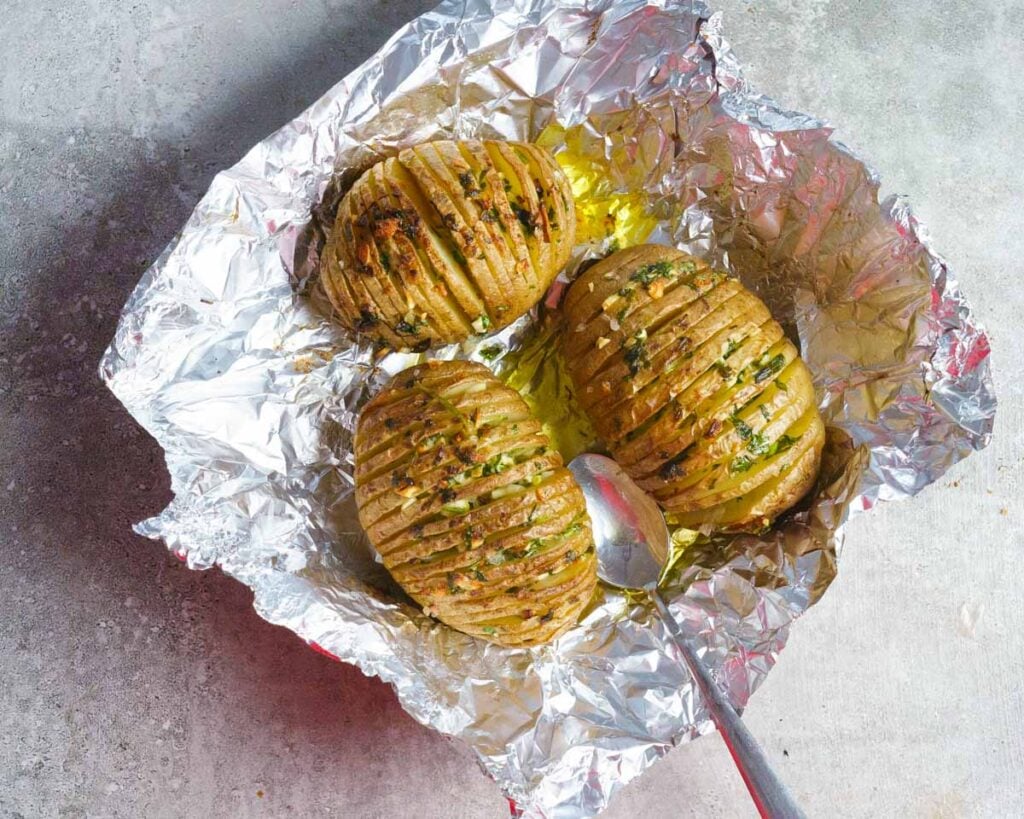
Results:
[446, 240]
[471, 509]
[693, 387]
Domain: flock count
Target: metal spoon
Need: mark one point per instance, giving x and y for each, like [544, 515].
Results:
[632, 547]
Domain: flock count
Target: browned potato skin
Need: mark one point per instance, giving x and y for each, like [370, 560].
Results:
[430, 449]
[684, 374]
[446, 240]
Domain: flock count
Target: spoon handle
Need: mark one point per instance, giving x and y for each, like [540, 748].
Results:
[769, 794]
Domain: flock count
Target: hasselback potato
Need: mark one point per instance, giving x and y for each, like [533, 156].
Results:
[470, 508]
[448, 239]
[693, 387]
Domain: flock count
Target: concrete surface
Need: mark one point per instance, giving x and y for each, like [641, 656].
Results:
[132, 687]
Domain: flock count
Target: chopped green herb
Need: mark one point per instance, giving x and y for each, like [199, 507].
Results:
[490, 352]
[757, 444]
[625, 292]
[450, 580]
[731, 347]
[740, 463]
[527, 219]
[479, 575]
[506, 185]
[385, 261]
[533, 547]
[490, 630]
[481, 323]
[408, 328]
[742, 428]
[649, 272]
[783, 443]
[764, 412]
[458, 257]
[572, 529]
[498, 464]
[781, 385]
[635, 353]
[770, 369]
[468, 182]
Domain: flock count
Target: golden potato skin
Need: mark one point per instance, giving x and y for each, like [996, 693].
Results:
[693, 387]
[472, 511]
[448, 239]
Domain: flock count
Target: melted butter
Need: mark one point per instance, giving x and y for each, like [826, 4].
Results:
[603, 212]
[537, 372]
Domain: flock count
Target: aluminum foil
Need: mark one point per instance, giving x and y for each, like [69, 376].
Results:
[253, 393]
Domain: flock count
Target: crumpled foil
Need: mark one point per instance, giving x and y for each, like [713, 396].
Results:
[253, 393]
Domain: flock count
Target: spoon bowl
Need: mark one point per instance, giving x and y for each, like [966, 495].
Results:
[629, 530]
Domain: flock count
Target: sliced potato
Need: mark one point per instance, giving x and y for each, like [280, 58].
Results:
[470, 507]
[446, 240]
[693, 387]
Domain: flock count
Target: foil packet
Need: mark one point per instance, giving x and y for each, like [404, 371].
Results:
[225, 356]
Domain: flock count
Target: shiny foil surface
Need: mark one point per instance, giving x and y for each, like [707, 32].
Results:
[228, 357]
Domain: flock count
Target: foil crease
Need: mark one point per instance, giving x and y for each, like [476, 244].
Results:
[253, 393]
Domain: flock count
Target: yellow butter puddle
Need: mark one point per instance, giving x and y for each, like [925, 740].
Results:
[602, 211]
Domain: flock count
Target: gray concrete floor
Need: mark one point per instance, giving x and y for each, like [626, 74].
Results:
[130, 686]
